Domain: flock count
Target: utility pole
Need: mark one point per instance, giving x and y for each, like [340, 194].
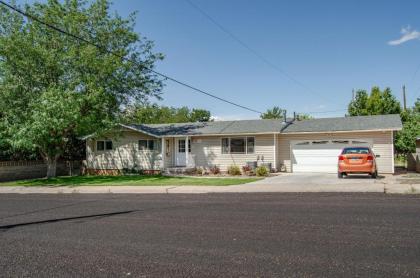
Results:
[352, 93]
[404, 98]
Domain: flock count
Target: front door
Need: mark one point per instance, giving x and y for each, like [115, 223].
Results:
[180, 158]
[180, 149]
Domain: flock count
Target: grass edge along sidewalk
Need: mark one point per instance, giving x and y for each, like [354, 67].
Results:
[140, 180]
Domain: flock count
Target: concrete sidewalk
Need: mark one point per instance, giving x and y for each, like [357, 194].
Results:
[266, 185]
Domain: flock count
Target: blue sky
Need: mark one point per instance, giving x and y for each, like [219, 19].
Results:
[329, 46]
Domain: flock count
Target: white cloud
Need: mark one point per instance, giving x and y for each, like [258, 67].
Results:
[407, 35]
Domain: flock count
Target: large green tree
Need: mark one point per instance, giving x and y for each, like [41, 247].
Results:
[273, 113]
[155, 114]
[53, 87]
[406, 138]
[416, 107]
[376, 103]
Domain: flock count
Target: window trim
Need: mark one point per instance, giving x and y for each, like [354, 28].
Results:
[245, 138]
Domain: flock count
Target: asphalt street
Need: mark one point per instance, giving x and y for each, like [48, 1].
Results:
[210, 235]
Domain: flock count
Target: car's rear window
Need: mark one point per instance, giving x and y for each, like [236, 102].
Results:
[355, 150]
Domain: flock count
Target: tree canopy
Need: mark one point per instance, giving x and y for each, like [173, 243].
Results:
[273, 113]
[376, 103]
[155, 114]
[406, 138]
[53, 87]
[384, 102]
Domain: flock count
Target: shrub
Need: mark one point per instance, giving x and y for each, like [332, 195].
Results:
[215, 170]
[131, 171]
[262, 171]
[234, 170]
[246, 168]
[199, 171]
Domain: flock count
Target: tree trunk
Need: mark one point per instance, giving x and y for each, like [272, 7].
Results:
[51, 162]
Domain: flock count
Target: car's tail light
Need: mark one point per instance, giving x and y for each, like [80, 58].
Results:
[341, 158]
[370, 158]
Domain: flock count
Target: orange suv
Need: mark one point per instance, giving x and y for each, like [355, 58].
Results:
[356, 160]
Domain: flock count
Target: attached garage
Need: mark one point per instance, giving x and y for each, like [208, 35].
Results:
[320, 156]
[314, 145]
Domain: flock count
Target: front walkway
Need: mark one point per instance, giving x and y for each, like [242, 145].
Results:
[286, 182]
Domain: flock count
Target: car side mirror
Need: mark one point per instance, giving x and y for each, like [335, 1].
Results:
[377, 155]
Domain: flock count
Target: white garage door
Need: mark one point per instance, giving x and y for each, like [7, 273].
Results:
[321, 155]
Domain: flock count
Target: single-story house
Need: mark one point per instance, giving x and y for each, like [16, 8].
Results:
[292, 145]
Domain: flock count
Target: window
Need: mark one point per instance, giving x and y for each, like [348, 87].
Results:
[168, 148]
[142, 144]
[302, 143]
[150, 145]
[340, 141]
[319, 142]
[100, 145]
[225, 145]
[108, 145]
[250, 143]
[104, 145]
[181, 146]
[356, 151]
[359, 142]
[238, 145]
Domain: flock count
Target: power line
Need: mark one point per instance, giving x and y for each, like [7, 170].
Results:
[253, 51]
[104, 49]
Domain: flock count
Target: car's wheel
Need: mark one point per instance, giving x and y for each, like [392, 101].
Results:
[374, 175]
[340, 175]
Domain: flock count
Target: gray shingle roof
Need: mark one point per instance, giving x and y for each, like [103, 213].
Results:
[220, 127]
[359, 123]
[377, 122]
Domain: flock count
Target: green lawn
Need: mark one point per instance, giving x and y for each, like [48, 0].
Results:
[130, 180]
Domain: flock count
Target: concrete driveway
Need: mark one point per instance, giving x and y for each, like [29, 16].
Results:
[321, 182]
[318, 179]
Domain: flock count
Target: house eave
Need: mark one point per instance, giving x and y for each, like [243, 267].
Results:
[343, 131]
[125, 126]
[140, 131]
[221, 134]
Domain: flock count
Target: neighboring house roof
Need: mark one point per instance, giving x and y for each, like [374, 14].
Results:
[358, 123]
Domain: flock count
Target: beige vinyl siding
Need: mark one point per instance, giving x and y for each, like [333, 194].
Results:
[125, 153]
[207, 151]
[382, 145]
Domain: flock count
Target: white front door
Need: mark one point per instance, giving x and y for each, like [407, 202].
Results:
[180, 158]
[321, 155]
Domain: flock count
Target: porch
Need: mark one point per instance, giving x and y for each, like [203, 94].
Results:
[176, 155]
